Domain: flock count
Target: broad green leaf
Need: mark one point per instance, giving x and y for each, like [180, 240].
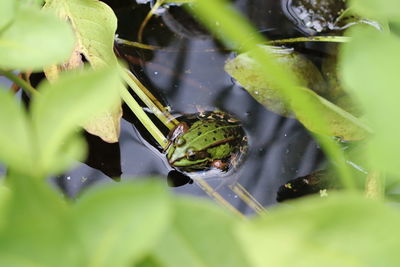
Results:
[94, 25]
[200, 236]
[37, 231]
[7, 12]
[341, 230]
[389, 9]
[245, 69]
[369, 69]
[15, 140]
[119, 224]
[338, 122]
[34, 40]
[62, 106]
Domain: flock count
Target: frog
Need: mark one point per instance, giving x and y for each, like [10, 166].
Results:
[208, 140]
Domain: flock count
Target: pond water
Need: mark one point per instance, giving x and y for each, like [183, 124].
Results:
[188, 75]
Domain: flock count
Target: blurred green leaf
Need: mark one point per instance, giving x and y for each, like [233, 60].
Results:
[245, 69]
[389, 9]
[369, 69]
[35, 39]
[94, 27]
[7, 11]
[341, 230]
[200, 236]
[15, 138]
[4, 197]
[119, 224]
[63, 105]
[37, 231]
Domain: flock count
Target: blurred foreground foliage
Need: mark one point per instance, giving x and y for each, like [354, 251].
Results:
[140, 224]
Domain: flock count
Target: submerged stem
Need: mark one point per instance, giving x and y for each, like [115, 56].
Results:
[217, 197]
[333, 39]
[150, 101]
[20, 82]
[144, 119]
[147, 18]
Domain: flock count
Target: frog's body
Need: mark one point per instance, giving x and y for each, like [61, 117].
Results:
[214, 140]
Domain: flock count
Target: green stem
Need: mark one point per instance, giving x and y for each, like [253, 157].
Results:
[333, 39]
[144, 119]
[18, 81]
[136, 44]
[149, 100]
[147, 18]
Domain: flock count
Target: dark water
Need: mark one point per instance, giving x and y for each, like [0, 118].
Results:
[188, 74]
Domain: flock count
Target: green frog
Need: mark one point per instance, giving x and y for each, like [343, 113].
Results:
[207, 140]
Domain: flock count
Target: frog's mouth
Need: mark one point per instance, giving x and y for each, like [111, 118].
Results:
[188, 166]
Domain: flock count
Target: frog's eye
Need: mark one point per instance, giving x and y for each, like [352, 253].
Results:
[192, 155]
[180, 141]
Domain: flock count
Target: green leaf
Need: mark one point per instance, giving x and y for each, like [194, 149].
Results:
[34, 40]
[119, 224]
[342, 230]
[94, 25]
[15, 139]
[245, 69]
[200, 236]
[67, 103]
[37, 231]
[7, 12]
[389, 9]
[370, 74]
[4, 197]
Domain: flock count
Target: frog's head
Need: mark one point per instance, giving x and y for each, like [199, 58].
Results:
[187, 158]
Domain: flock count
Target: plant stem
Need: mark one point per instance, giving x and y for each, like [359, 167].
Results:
[216, 196]
[247, 198]
[150, 101]
[147, 18]
[136, 44]
[333, 39]
[144, 119]
[20, 82]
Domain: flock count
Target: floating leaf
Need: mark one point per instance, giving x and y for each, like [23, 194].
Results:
[71, 100]
[15, 139]
[34, 40]
[200, 236]
[341, 230]
[94, 25]
[118, 225]
[337, 121]
[245, 70]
